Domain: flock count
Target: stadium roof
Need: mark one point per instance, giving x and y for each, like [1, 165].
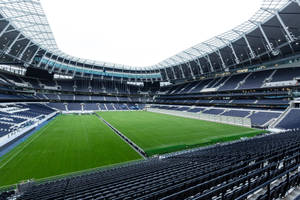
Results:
[29, 18]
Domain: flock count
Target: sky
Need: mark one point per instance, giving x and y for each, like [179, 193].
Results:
[140, 33]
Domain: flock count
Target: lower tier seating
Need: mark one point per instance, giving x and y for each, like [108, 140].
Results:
[230, 171]
[258, 117]
[16, 116]
[291, 120]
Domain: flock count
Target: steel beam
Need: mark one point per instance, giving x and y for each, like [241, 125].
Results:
[237, 60]
[196, 60]
[206, 57]
[24, 50]
[8, 49]
[33, 56]
[39, 65]
[165, 69]
[14, 17]
[218, 52]
[49, 60]
[252, 54]
[181, 69]
[270, 46]
[289, 36]
[188, 64]
[53, 66]
[4, 30]
[172, 69]
[199, 64]
[297, 1]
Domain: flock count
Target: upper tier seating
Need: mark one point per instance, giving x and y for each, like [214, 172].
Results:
[66, 85]
[272, 101]
[256, 79]
[52, 96]
[233, 82]
[66, 97]
[48, 83]
[58, 106]
[286, 74]
[82, 86]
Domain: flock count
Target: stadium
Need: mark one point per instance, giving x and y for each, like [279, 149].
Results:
[219, 120]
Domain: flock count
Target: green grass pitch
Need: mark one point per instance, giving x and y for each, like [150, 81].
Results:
[161, 133]
[69, 143]
[73, 143]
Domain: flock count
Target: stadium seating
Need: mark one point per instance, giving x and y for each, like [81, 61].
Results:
[58, 106]
[291, 120]
[90, 106]
[233, 82]
[231, 171]
[261, 118]
[17, 116]
[74, 106]
[250, 72]
[236, 113]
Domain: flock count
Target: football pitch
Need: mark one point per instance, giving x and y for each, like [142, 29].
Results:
[160, 133]
[71, 143]
[67, 144]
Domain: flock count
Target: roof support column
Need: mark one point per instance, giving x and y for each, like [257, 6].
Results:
[252, 54]
[172, 69]
[199, 64]
[269, 44]
[209, 61]
[218, 52]
[182, 72]
[4, 30]
[221, 58]
[35, 53]
[237, 60]
[206, 57]
[46, 65]
[39, 65]
[181, 69]
[188, 64]
[59, 70]
[53, 66]
[196, 60]
[190, 67]
[24, 50]
[289, 36]
[13, 43]
[167, 76]
[92, 75]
